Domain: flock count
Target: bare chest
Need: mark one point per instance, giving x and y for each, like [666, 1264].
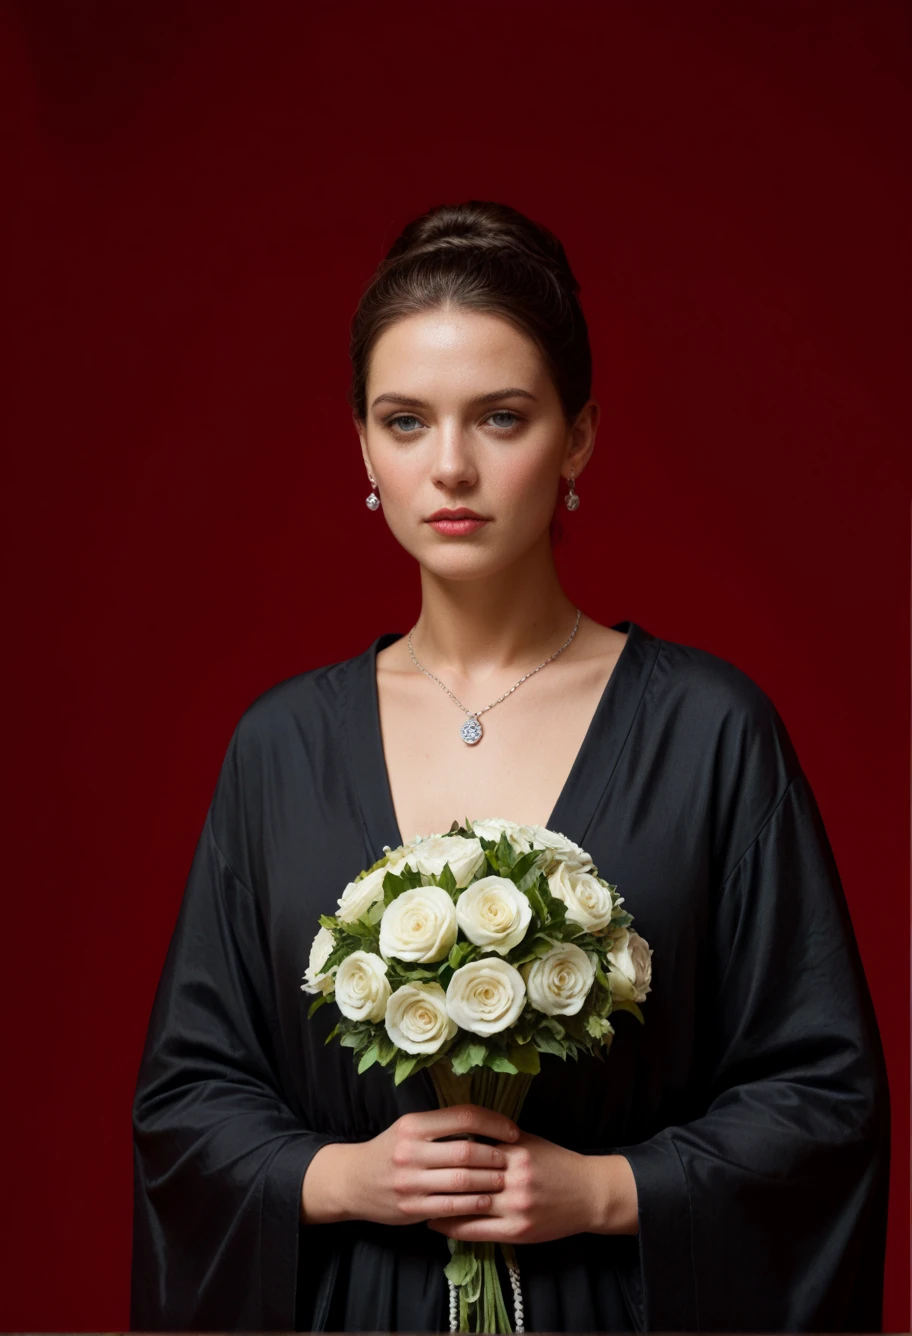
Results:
[516, 771]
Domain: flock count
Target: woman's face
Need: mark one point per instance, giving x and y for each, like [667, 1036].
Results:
[462, 412]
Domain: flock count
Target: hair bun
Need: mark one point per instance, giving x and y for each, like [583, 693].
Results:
[484, 256]
[486, 225]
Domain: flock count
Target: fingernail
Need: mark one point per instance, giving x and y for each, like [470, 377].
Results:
[484, 1203]
[513, 1133]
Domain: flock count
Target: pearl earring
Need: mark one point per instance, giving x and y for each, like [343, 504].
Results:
[372, 501]
[571, 500]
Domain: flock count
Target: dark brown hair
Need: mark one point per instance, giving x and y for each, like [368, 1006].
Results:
[481, 256]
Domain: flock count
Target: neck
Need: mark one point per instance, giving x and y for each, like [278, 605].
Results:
[473, 630]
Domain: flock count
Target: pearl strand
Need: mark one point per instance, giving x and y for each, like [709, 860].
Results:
[518, 1327]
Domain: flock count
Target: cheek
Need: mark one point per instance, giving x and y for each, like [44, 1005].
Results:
[402, 479]
[526, 483]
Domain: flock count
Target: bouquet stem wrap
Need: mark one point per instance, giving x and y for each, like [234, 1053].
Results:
[473, 1267]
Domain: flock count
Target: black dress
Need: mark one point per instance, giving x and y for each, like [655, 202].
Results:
[752, 1105]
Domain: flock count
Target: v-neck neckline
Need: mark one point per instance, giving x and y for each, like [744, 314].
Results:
[583, 788]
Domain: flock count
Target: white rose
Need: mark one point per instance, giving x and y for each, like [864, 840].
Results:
[630, 967]
[559, 982]
[419, 925]
[588, 901]
[411, 845]
[358, 896]
[314, 981]
[520, 837]
[465, 857]
[362, 988]
[416, 1018]
[494, 914]
[486, 995]
[561, 848]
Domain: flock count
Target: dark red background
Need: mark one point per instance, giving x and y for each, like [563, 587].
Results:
[197, 193]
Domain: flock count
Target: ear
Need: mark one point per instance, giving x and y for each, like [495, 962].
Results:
[362, 436]
[581, 439]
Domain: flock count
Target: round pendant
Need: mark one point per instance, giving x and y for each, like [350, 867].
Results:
[471, 730]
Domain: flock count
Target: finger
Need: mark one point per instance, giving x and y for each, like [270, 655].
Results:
[458, 1154]
[439, 1182]
[446, 1205]
[464, 1120]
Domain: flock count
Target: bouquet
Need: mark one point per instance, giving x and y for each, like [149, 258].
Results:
[471, 954]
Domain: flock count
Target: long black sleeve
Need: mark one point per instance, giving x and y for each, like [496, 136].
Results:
[768, 1212]
[219, 1153]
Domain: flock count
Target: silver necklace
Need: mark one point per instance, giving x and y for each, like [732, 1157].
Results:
[471, 731]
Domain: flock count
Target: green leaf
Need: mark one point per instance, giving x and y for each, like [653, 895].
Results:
[472, 1287]
[504, 850]
[525, 1059]
[369, 1058]
[411, 877]
[498, 1063]
[537, 903]
[393, 886]
[547, 1043]
[404, 1067]
[631, 1007]
[467, 1055]
[332, 1034]
[446, 879]
[461, 1268]
[364, 928]
[387, 1049]
[524, 865]
[458, 953]
[557, 910]
[317, 1004]
[597, 1026]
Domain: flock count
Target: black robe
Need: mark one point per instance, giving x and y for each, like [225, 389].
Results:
[752, 1105]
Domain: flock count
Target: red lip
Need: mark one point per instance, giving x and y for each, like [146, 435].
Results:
[463, 513]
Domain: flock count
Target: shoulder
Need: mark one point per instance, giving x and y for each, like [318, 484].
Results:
[307, 705]
[716, 694]
[731, 732]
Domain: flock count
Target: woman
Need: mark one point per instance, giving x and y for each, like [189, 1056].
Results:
[727, 1167]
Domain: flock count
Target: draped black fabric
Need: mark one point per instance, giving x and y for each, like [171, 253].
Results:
[752, 1105]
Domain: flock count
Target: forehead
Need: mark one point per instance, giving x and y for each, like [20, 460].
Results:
[453, 350]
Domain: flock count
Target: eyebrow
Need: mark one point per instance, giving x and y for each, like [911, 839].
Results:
[491, 397]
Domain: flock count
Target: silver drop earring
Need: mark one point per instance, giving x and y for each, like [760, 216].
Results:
[372, 501]
[571, 500]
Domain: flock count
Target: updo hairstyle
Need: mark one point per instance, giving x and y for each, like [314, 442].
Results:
[479, 256]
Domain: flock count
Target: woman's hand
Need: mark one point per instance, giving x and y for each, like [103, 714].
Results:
[406, 1174]
[550, 1192]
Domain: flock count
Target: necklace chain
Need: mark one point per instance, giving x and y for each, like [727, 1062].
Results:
[472, 731]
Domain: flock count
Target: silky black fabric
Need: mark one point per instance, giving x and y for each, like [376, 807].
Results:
[753, 1104]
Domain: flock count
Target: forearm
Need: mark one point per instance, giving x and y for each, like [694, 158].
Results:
[327, 1194]
[613, 1195]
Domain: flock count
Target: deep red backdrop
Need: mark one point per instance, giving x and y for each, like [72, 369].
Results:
[198, 192]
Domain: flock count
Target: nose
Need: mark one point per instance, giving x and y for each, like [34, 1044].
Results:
[453, 462]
